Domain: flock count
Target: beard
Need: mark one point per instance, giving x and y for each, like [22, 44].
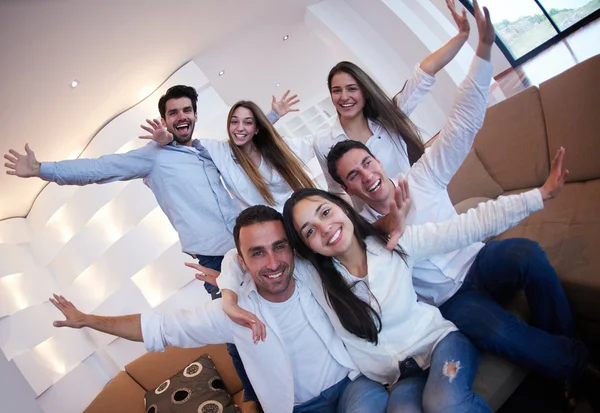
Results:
[182, 139]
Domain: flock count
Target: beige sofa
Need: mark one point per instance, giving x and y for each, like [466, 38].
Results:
[511, 153]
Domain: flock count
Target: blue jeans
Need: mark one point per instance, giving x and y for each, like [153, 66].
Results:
[359, 396]
[500, 269]
[214, 262]
[441, 388]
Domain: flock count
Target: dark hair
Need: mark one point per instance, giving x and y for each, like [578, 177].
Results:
[256, 214]
[356, 316]
[273, 149]
[379, 107]
[176, 92]
[338, 151]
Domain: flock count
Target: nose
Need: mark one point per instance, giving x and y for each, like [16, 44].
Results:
[272, 263]
[324, 228]
[365, 176]
[344, 95]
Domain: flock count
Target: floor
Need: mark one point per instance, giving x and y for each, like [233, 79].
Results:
[575, 48]
[537, 394]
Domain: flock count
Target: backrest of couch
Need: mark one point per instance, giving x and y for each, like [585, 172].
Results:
[121, 395]
[571, 103]
[151, 369]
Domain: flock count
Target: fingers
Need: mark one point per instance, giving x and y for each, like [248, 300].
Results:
[14, 153]
[273, 100]
[59, 323]
[195, 266]
[29, 151]
[287, 92]
[488, 19]
[206, 278]
[10, 158]
[393, 242]
[147, 129]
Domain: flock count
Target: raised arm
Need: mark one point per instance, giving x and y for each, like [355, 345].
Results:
[449, 150]
[108, 168]
[490, 218]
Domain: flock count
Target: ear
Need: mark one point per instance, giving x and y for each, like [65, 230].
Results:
[163, 123]
[196, 117]
[242, 262]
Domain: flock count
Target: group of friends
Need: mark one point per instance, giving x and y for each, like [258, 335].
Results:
[373, 296]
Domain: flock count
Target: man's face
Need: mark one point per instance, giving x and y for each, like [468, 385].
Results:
[180, 119]
[364, 177]
[269, 258]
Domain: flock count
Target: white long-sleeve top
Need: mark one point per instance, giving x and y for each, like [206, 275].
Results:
[239, 184]
[437, 278]
[410, 328]
[389, 148]
[269, 363]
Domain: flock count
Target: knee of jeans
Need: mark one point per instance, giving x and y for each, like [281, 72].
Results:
[441, 399]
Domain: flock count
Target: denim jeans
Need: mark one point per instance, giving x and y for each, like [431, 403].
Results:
[445, 387]
[359, 396]
[501, 268]
[214, 262]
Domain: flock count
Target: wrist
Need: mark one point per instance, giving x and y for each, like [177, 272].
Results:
[37, 166]
[484, 51]
[545, 193]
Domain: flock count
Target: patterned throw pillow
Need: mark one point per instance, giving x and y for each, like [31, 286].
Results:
[196, 389]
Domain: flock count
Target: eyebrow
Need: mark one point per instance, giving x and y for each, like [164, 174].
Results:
[262, 247]
[316, 213]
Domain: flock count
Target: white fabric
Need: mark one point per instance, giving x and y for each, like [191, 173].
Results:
[239, 184]
[309, 351]
[438, 278]
[390, 149]
[267, 363]
[410, 328]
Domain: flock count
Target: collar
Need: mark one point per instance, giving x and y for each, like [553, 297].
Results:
[373, 248]
[337, 131]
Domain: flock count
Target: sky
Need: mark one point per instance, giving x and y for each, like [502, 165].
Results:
[512, 10]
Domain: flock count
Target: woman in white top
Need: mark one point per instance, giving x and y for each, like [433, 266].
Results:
[388, 332]
[368, 115]
[258, 166]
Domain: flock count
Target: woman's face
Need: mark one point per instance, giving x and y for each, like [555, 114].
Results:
[323, 226]
[242, 126]
[346, 95]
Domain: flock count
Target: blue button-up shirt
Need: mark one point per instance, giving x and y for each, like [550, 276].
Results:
[184, 180]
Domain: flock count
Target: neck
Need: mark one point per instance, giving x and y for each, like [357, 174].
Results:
[279, 297]
[356, 128]
[250, 149]
[354, 259]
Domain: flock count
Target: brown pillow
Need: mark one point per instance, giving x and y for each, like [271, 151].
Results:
[198, 388]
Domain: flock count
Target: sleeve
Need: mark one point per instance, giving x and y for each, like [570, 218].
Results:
[232, 273]
[273, 117]
[207, 324]
[108, 168]
[332, 185]
[414, 90]
[490, 218]
[303, 147]
[449, 150]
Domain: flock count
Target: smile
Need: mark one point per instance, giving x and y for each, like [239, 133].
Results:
[375, 186]
[347, 105]
[274, 276]
[335, 237]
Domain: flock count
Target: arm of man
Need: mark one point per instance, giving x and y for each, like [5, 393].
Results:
[108, 168]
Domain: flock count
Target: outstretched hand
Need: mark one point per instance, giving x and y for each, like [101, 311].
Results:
[485, 28]
[24, 166]
[74, 317]
[394, 222]
[158, 133]
[204, 274]
[284, 105]
[460, 19]
[556, 178]
[246, 319]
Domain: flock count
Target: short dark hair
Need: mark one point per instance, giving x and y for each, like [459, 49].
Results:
[176, 92]
[338, 151]
[256, 214]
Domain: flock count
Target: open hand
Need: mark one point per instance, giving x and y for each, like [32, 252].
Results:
[556, 178]
[205, 274]
[74, 317]
[485, 28]
[24, 166]
[399, 208]
[284, 105]
[158, 133]
[460, 19]
[246, 319]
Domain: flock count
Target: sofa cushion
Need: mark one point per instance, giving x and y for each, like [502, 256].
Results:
[197, 388]
[571, 101]
[472, 180]
[152, 369]
[120, 395]
[512, 143]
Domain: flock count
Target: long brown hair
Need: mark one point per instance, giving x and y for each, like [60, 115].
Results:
[356, 316]
[273, 149]
[379, 107]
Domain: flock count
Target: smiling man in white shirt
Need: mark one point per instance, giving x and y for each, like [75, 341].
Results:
[467, 284]
[314, 370]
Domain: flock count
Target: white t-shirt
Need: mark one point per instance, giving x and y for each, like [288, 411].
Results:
[307, 348]
[239, 184]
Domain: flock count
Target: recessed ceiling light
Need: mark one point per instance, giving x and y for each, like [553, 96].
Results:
[74, 83]
[287, 36]
[222, 72]
[277, 85]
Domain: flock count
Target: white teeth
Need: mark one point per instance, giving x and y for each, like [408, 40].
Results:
[347, 105]
[272, 277]
[375, 186]
[335, 237]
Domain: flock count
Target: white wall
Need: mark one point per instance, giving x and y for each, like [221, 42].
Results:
[15, 392]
